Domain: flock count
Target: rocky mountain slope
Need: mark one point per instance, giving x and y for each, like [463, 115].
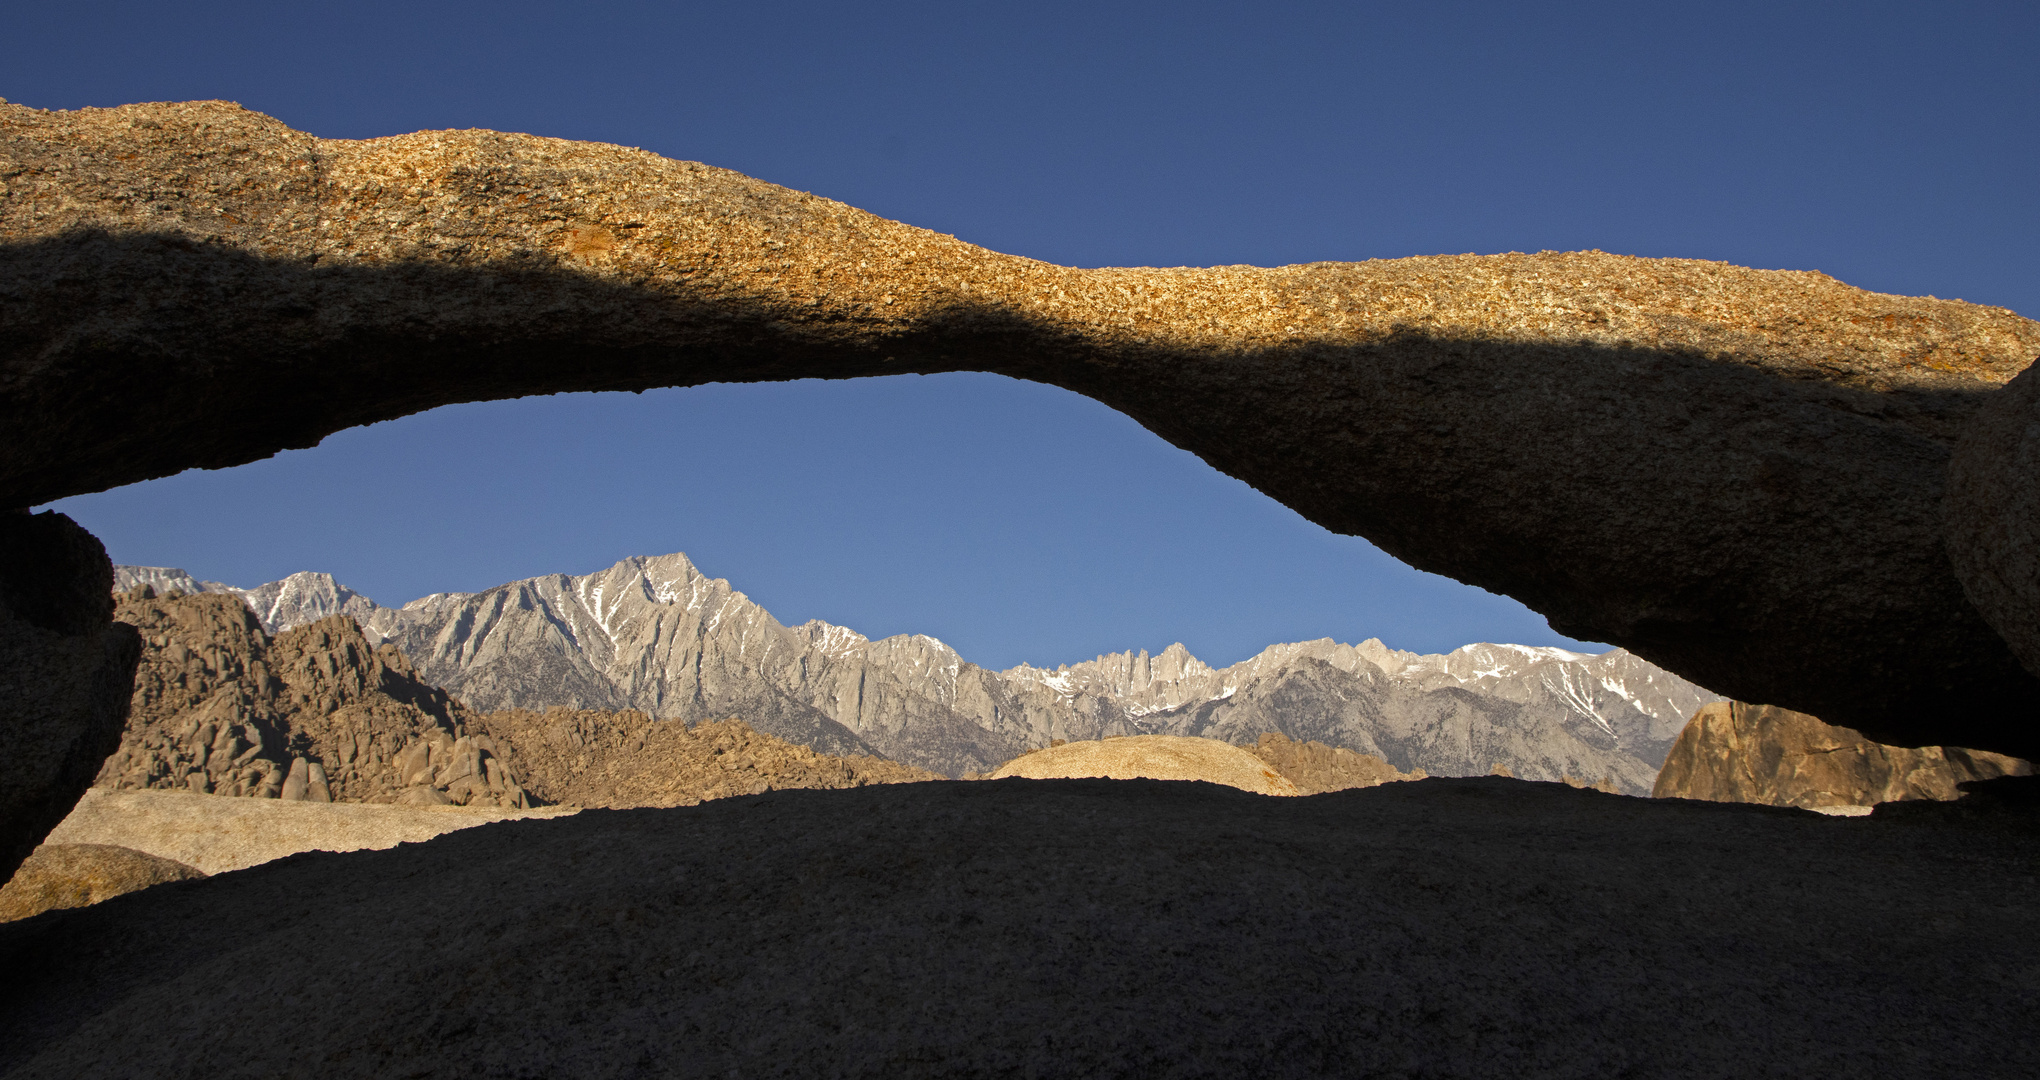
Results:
[316, 713]
[658, 636]
[319, 714]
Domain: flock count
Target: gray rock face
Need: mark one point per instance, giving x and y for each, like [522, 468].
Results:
[1540, 714]
[1994, 514]
[1736, 474]
[65, 672]
[280, 605]
[658, 636]
[1438, 928]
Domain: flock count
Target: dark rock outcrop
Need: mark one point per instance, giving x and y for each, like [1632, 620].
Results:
[1440, 928]
[1994, 514]
[65, 670]
[1736, 474]
[1733, 752]
[75, 875]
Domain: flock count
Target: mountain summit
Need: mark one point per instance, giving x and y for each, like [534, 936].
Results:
[657, 635]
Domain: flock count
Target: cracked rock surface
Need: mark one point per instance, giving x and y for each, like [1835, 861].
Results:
[1447, 928]
[1737, 474]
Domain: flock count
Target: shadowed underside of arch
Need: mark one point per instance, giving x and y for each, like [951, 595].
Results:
[1735, 473]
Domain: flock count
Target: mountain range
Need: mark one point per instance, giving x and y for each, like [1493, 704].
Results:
[657, 635]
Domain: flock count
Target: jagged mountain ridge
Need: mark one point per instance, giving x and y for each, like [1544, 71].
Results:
[657, 635]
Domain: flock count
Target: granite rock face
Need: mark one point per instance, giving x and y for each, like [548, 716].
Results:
[1736, 474]
[65, 671]
[1440, 928]
[316, 714]
[75, 875]
[1732, 752]
[1994, 514]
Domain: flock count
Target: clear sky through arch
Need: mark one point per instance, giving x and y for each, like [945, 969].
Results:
[1886, 144]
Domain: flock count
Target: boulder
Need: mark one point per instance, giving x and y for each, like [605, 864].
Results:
[74, 875]
[1151, 757]
[1735, 474]
[1733, 752]
[65, 673]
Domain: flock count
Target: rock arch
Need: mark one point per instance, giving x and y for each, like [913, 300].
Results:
[1738, 474]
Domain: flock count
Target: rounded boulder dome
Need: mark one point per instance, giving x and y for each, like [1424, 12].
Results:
[1151, 757]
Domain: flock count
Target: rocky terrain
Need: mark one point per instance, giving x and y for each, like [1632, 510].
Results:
[1736, 474]
[1314, 768]
[580, 757]
[318, 714]
[658, 636]
[1439, 928]
[1733, 752]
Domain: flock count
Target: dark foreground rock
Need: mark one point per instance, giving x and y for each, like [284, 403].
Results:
[1735, 474]
[1993, 509]
[1735, 752]
[1439, 928]
[65, 671]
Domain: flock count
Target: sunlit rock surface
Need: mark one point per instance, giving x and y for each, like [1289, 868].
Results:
[1733, 752]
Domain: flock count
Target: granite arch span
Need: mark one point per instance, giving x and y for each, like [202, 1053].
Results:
[1737, 474]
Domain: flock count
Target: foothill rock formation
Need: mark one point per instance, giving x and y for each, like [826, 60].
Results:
[1736, 474]
[1734, 752]
[319, 714]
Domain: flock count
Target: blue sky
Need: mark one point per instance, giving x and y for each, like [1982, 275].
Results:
[1891, 145]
